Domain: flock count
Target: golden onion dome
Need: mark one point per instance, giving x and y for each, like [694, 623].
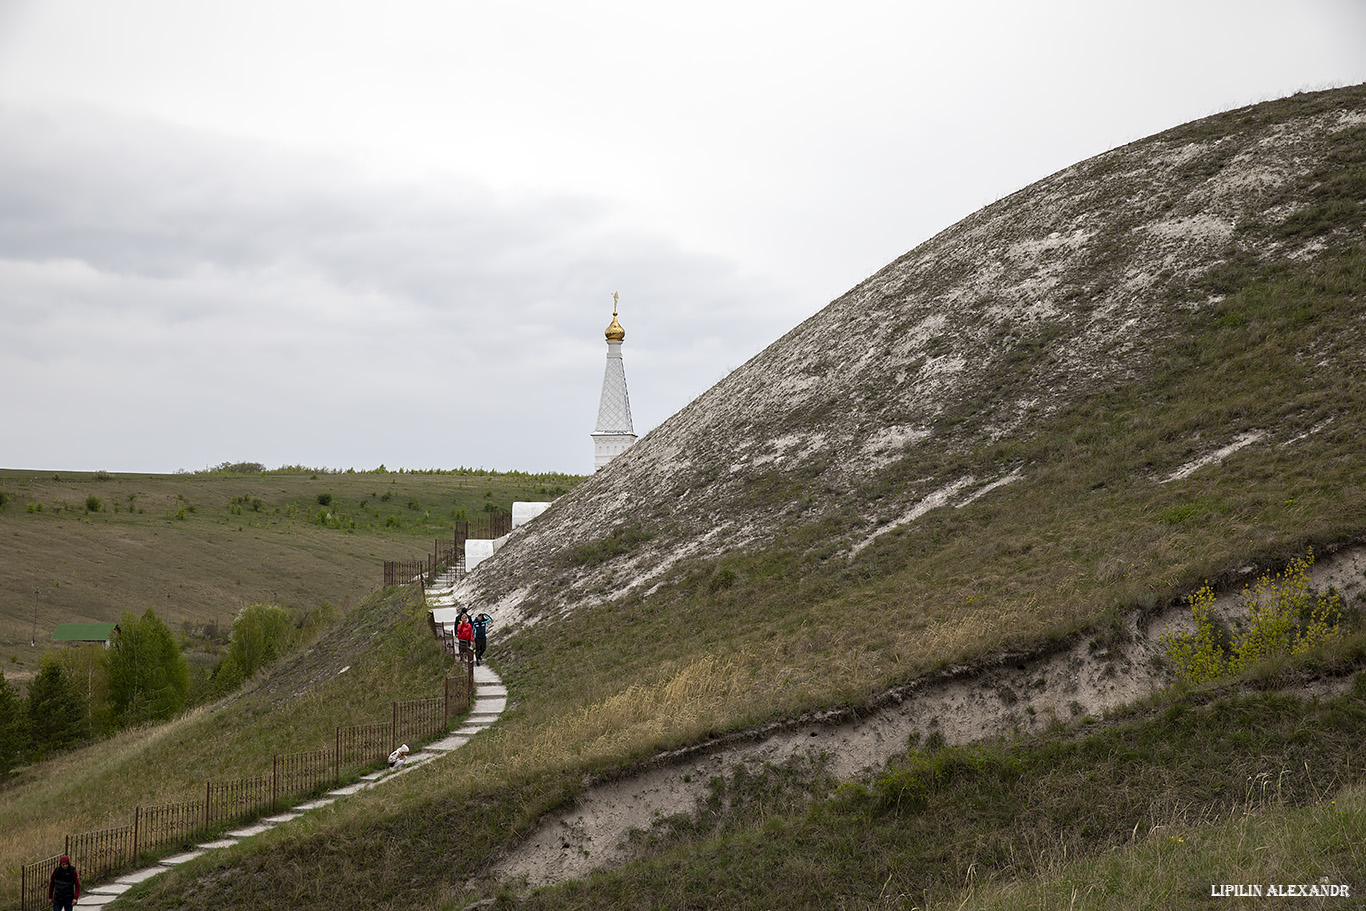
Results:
[614, 331]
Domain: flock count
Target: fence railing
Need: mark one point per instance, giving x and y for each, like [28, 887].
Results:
[447, 554]
[34, 878]
[167, 823]
[493, 525]
[99, 853]
[236, 799]
[297, 774]
[417, 719]
[103, 851]
[404, 572]
[364, 744]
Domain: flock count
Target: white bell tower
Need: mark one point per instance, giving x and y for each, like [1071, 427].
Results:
[614, 433]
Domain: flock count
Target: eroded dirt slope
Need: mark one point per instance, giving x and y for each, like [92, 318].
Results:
[1016, 693]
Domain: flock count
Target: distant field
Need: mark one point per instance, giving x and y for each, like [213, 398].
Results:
[198, 547]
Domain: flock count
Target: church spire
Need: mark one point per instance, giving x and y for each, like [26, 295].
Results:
[614, 433]
[614, 331]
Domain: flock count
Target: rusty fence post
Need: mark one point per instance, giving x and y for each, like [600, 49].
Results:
[469, 681]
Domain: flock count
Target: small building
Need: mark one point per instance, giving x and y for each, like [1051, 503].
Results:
[84, 633]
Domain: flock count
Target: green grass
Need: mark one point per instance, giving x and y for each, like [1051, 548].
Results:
[1007, 816]
[1091, 535]
[389, 655]
[198, 547]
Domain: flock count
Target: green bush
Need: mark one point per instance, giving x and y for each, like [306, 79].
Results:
[241, 468]
[93, 504]
[623, 539]
[1284, 617]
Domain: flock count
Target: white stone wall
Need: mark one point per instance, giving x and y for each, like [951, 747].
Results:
[477, 550]
[607, 446]
[523, 513]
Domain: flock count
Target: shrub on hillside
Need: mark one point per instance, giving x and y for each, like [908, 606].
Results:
[241, 467]
[1284, 617]
[261, 635]
[623, 539]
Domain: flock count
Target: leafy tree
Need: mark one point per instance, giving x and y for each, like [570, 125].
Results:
[13, 726]
[87, 667]
[56, 709]
[261, 633]
[149, 679]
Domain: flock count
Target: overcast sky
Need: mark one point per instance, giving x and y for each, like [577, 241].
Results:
[345, 233]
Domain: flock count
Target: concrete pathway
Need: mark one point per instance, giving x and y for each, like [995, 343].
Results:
[490, 698]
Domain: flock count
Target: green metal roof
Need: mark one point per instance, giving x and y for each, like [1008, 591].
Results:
[83, 632]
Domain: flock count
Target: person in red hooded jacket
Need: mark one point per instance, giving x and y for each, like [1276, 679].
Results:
[464, 634]
[64, 888]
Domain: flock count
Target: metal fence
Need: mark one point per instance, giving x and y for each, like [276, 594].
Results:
[460, 688]
[33, 880]
[242, 797]
[299, 774]
[493, 525]
[167, 823]
[404, 572]
[417, 719]
[99, 853]
[447, 554]
[364, 744]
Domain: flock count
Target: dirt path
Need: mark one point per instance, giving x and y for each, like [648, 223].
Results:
[1088, 678]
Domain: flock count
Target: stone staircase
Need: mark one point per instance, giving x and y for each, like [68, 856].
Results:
[490, 699]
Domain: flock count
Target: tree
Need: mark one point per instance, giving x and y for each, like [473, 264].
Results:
[87, 667]
[56, 709]
[261, 633]
[13, 727]
[149, 679]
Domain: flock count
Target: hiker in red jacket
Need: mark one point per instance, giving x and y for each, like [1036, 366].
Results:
[64, 888]
[464, 634]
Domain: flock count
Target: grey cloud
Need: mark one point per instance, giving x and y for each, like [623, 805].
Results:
[243, 302]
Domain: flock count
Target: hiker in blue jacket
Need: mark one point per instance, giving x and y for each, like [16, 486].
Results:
[481, 635]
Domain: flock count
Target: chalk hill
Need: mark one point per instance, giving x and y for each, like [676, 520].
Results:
[1190, 298]
[1030, 434]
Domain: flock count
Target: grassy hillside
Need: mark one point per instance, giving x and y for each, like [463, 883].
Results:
[382, 651]
[198, 547]
[1061, 415]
